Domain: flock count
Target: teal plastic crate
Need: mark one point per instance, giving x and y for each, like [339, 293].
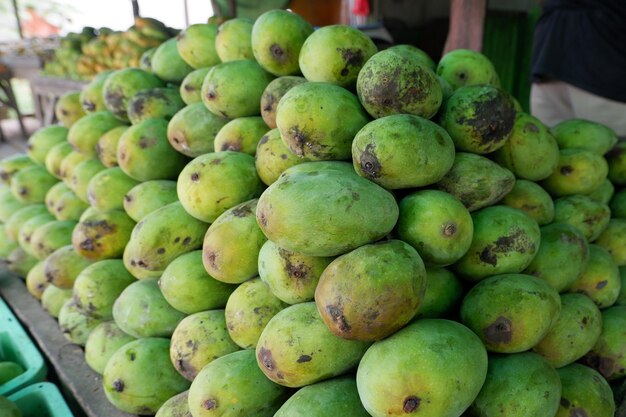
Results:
[41, 400]
[16, 346]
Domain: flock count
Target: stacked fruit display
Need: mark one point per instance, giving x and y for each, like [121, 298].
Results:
[82, 55]
[383, 236]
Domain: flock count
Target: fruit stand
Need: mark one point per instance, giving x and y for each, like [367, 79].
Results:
[258, 218]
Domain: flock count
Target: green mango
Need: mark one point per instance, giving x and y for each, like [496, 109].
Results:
[436, 224]
[51, 236]
[272, 94]
[241, 135]
[82, 174]
[233, 385]
[91, 96]
[102, 235]
[621, 300]
[53, 298]
[187, 286]
[176, 406]
[167, 64]
[335, 397]
[98, 285]
[7, 245]
[8, 204]
[145, 62]
[512, 312]
[69, 163]
[531, 152]
[12, 164]
[518, 385]
[10, 370]
[412, 51]
[103, 341]
[613, 239]
[505, 241]
[532, 199]
[319, 120]
[55, 156]
[213, 183]
[248, 310]
[477, 181]
[294, 212]
[154, 103]
[233, 41]
[198, 340]
[139, 377]
[234, 89]
[106, 148]
[335, 54]
[297, 349]
[562, 256]
[74, 324]
[141, 311]
[30, 185]
[54, 194]
[68, 109]
[146, 197]
[608, 355]
[9, 408]
[273, 157]
[585, 392]
[461, 67]
[616, 159]
[393, 83]
[584, 134]
[36, 282]
[479, 118]
[190, 88]
[196, 45]
[402, 151]
[15, 222]
[144, 153]
[161, 237]
[444, 292]
[122, 84]
[575, 332]
[604, 193]
[600, 280]
[69, 207]
[277, 38]
[106, 189]
[43, 140]
[371, 292]
[84, 134]
[192, 130]
[291, 277]
[618, 205]
[579, 172]
[28, 228]
[421, 370]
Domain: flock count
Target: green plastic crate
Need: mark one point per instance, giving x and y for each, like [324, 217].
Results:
[16, 346]
[41, 400]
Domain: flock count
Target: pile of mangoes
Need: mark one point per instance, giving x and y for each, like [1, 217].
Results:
[266, 220]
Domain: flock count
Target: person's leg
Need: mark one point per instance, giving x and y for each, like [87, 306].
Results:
[550, 102]
[599, 109]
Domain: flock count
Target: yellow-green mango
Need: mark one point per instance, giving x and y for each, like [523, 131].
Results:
[613, 239]
[190, 88]
[82, 174]
[8, 204]
[532, 199]
[196, 45]
[154, 103]
[51, 236]
[462, 67]
[193, 129]
[600, 280]
[86, 132]
[273, 157]
[608, 355]
[53, 299]
[102, 343]
[75, 325]
[272, 94]
[12, 164]
[176, 406]
[585, 392]
[55, 156]
[106, 148]
[69, 163]
[584, 134]
[15, 222]
[102, 235]
[148, 196]
[36, 282]
[444, 292]
[121, 85]
[43, 140]
[28, 228]
[167, 64]
[106, 189]
[241, 135]
[233, 41]
[63, 266]
[68, 109]
[31, 184]
[579, 172]
[616, 159]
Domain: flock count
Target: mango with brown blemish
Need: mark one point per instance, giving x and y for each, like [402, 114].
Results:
[91, 97]
[291, 277]
[416, 53]
[12, 164]
[608, 355]
[462, 67]
[190, 88]
[585, 393]
[85, 133]
[51, 236]
[562, 256]
[600, 280]
[54, 194]
[40, 143]
[141, 311]
[511, 312]
[68, 109]
[613, 239]
[616, 159]
[579, 171]
[505, 241]
[588, 216]
[187, 286]
[531, 152]
[575, 332]
[477, 181]
[319, 120]
[106, 148]
[371, 292]
[233, 385]
[62, 267]
[76, 325]
[98, 285]
[161, 237]
[272, 94]
[30, 185]
[102, 343]
[196, 45]
[336, 54]
[584, 134]
[102, 235]
[241, 135]
[28, 228]
[69, 207]
[198, 340]
[144, 153]
[520, 385]
[431, 368]
[273, 157]
[82, 174]
[69, 163]
[192, 130]
[176, 406]
[324, 209]
[529, 197]
[121, 85]
[297, 349]
[36, 282]
[139, 377]
[53, 299]
[154, 103]
[106, 189]
[479, 118]
[146, 197]
[55, 156]
[15, 222]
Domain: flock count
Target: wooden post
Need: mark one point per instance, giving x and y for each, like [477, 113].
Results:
[17, 19]
[135, 8]
[467, 22]
[232, 8]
